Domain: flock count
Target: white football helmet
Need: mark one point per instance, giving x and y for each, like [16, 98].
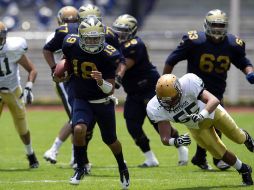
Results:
[89, 10]
[168, 91]
[216, 24]
[67, 14]
[3, 34]
[92, 35]
[126, 27]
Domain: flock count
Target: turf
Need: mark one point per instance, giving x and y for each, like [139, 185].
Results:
[44, 126]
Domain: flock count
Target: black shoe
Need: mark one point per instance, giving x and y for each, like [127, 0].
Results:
[33, 162]
[78, 175]
[249, 143]
[201, 164]
[125, 178]
[246, 171]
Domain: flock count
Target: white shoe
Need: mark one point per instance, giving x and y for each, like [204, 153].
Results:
[50, 156]
[78, 175]
[183, 152]
[88, 167]
[150, 163]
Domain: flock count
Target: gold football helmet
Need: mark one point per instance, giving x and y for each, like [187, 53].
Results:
[89, 10]
[3, 34]
[67, 14]
[126, 27]
[168, 91]
[216, 24]
[92, 35]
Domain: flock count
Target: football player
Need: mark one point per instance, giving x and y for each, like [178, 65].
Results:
[186, 101]
[138, 82]
[93, 62]
[12, 54]
[54, 46]
[209, 55]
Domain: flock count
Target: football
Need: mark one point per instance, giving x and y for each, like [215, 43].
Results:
[62, 69]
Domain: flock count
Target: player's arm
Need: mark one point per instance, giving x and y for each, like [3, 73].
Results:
[49, 57]
[167, 132]
[210, 100]
[249, 73]
[107, 86]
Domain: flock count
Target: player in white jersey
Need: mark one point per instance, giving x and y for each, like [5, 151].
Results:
[186, 101]
[12, 54]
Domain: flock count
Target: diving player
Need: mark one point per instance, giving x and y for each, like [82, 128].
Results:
[186, 101]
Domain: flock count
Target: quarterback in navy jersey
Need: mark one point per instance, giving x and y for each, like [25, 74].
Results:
[93, 65]
[139, 83]
[209, 55]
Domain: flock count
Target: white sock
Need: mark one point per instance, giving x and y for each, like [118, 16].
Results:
[149, 155]
[57, 144]
[183, 152]
[72, 153]
[238, 164]
[29, 149]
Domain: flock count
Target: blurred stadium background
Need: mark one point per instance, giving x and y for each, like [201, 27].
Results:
[161, 30]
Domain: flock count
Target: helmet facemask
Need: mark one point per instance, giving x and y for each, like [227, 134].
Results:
[169, 93]
[216, 24]
[126, 27]
[92, 36]
[3, 35]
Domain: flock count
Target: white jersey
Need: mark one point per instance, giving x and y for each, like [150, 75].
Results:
[11, 53]
[58, 54]
[191, 86]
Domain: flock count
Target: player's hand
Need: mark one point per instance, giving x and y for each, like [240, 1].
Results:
[118, 81]
[28, 95]
[196, 117]
[97, 75]
[182, 140]
[250, 77]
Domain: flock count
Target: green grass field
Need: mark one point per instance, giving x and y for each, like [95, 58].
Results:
[44, 126]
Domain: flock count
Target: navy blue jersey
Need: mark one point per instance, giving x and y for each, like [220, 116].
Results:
[83, 63]
[143, 75]
[56, 42]
[210, 61]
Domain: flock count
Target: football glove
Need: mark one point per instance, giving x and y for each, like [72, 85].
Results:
[28, 95]
[118, 81]
[197, 117]
[182, 140]
[250, 77]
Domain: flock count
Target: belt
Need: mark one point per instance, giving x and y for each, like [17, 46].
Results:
[99, 101]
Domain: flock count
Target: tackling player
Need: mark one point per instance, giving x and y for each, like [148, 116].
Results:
[186, 101]
[93, 63]
[209, 55]
[12, 54]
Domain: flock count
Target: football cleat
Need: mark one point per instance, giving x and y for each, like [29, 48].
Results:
[249, 143]
[246, 171]
[201, 164]
[50, 156]
[78, 175]
[222, 165]
[182, 163]
[125, 178]
[87, 168]
[149, 163]
[33, 162]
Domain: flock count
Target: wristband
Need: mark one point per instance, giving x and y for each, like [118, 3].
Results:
[106, 87]
[29, 85]
[204, 113]
[171, 141]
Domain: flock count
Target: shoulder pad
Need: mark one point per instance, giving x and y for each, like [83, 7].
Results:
[133, 43]
[194, 37]
[235, 41]
[17, 44]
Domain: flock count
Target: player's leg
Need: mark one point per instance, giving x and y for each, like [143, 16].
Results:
[225, 123]
[208, 139]
[51, 154]
[105, 114]
[18, 112]
[134, 114]
[82, 117]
